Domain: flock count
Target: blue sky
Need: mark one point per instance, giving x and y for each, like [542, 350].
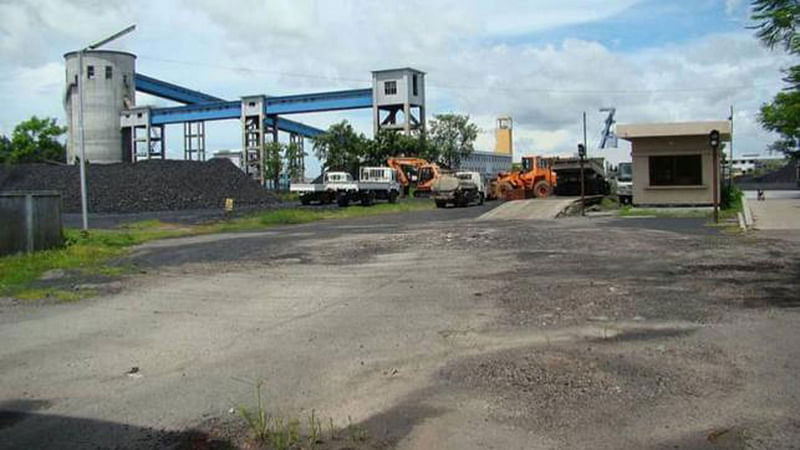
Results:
[543, 62]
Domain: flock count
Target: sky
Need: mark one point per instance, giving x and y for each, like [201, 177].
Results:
[543, 62]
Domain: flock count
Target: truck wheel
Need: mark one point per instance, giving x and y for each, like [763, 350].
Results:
[368, 199]
[481, 198]
[542, 189]
[393, 197]
[305, 200]
[441, 203]
[343, 200]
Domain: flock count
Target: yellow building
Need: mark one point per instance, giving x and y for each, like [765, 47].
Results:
[505, 140]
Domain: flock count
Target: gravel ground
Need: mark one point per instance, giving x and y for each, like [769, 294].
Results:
[430, 330]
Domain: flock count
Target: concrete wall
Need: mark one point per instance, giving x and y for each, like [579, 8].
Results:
[103, 101]
[645, 194]
[29, 221]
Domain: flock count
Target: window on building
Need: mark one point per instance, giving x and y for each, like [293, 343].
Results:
[390, 87]
[90, 72]
[108, 72]
[415, 86]
[682, 170]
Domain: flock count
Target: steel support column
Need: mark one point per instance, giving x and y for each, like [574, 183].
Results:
[297, 165]
[194, 141]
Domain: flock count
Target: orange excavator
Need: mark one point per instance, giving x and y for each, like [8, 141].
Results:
[536, 179]
[425, 172]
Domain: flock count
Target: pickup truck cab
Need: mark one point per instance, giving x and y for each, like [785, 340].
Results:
[338, 186]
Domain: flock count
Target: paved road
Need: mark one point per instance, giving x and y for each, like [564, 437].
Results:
[432, 330]
[776, 213]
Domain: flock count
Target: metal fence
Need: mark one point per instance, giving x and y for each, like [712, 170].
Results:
[30, 221]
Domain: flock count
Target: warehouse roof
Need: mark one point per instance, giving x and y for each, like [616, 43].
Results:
[649, 130]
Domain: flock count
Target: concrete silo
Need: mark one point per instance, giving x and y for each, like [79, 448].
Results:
[108, 85]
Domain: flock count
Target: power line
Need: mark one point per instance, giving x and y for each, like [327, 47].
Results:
[468, 87]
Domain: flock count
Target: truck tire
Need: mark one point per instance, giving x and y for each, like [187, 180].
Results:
[368, 199]
[481, 198]
[305, 200]
[393, 197]
[343, 200]
[542, 189]
[441, 203]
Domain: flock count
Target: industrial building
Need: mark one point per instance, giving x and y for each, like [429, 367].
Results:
[489, 164]
[115, 129]
[672, 162]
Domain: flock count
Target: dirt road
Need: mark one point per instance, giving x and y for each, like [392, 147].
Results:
[432, 331]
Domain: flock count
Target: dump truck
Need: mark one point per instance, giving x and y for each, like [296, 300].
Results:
[568, 171]
[459, 189]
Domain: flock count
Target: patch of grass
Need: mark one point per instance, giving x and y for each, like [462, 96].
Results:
[629, 211]
[59, 294]
[89, 252]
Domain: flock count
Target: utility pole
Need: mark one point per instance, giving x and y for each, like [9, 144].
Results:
[730, 167]
[582, 156]
[81, 133]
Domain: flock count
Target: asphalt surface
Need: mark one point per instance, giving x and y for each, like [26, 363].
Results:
[428, 329]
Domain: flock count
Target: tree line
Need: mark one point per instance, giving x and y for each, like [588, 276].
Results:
[450, 139]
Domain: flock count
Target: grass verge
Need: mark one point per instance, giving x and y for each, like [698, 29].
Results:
[88, 253]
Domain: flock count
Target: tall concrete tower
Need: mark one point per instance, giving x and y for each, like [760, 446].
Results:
[505, 139]
[398, 98]
[108, 88]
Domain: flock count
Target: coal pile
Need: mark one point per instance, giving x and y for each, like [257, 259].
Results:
[786, 174]
[144, 186]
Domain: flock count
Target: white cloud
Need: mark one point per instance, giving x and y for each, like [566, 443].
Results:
[310, 45]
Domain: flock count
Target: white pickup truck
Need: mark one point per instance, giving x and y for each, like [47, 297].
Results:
[332, 186]
[376, 183]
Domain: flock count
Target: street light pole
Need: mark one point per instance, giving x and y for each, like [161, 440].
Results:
[81, 133]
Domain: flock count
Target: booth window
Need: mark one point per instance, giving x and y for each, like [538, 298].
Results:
[683, 170]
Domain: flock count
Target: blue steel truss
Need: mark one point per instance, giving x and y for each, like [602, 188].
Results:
[290, 104]
[169, 91]
[204, 107]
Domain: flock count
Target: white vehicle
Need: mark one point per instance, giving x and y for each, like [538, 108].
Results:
[460, 189]
[332, 186]
[625, 183]
[378, 183]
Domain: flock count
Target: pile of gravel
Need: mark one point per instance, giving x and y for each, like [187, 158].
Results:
[144, 186]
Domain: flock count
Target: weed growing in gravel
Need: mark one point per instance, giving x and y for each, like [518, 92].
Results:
[282, 433]
[257, 420]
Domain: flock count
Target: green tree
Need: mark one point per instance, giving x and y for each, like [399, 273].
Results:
[453, 138]
[34, 140]
[389, 143]
[777, 22]
[5, 149]
[340, 148]
[273, 162]
[294, 161]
